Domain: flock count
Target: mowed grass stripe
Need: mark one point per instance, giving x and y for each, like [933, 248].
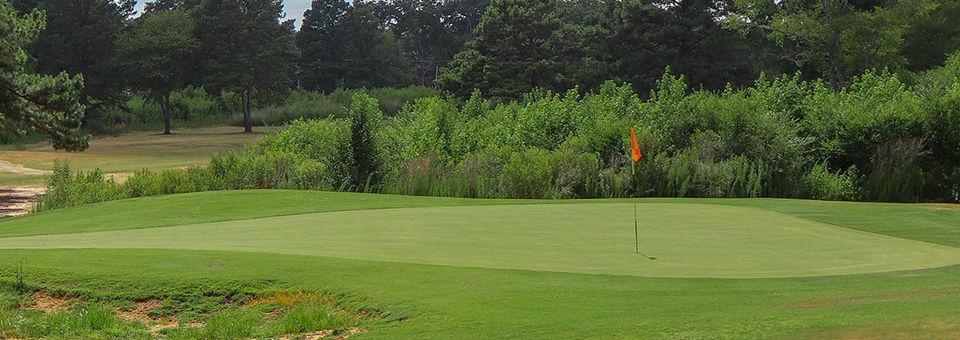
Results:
[690, 240]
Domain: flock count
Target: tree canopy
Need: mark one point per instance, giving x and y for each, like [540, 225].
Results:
[45, 103]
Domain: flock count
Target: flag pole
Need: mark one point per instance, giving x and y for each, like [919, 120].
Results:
[636, 227]
[636, 155]
[636, 222]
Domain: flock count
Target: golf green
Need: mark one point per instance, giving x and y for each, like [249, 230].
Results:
[688, 240]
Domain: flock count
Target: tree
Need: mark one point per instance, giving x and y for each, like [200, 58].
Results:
[837, 38]
[349, 46]
[685, 35]
[559, 45]
[509, 54]
[155, 52]
[431, 32]
[928, 42]
[167, 5]
[81, 38]
[318, 42]
[246, 48]
[46, 104]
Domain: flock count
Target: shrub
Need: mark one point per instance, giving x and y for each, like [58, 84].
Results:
[577, 175]
[194, 103]
[528, 174]
[67, 189]
[820, 184]
[882, 139]
[310, 174]
[365, 119]
[896, 175]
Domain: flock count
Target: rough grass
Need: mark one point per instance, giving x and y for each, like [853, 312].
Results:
[134, 151]
[418, 300]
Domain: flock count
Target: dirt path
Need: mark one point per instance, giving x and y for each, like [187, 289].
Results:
[6, 166]
[18, 201]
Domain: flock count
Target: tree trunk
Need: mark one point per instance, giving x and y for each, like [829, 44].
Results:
[247, 117]
[167, 114]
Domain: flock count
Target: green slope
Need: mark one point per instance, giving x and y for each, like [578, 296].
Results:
[689, 240]
[468, 302]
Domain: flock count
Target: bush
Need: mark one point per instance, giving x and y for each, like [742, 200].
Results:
[877, 139]
[365, 119]
[304, 105]
[820, 184]
[577, 175]
[896, 175]
[528, 174]
[67, 189]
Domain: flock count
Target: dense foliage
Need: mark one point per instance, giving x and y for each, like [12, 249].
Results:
[503, 48]
[880, 139]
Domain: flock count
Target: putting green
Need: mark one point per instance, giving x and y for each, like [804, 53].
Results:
[689, 240]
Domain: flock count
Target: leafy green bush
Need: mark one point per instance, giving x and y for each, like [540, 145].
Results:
[67, 189]
[194, 103]
[528, 174]
[365, 118]
[820, 184]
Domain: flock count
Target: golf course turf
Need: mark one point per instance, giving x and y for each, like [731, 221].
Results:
[441, 267]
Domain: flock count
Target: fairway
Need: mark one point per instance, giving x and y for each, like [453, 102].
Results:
[689, 240]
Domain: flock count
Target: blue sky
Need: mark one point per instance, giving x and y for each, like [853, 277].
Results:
[293, 8]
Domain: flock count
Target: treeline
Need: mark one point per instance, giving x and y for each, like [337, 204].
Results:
[241, 53]
[246, 57]
[881, 139]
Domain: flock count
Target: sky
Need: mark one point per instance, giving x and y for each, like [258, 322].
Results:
[293, 8]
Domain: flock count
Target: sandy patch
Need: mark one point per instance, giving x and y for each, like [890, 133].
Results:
[141, 312]
[50, 304]
[6, 166]
[344, 334]
[19, 201]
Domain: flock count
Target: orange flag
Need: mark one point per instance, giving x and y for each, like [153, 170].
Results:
[637, 153]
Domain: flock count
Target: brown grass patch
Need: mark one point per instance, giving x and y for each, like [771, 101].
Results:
[50, 304]
[287, 299]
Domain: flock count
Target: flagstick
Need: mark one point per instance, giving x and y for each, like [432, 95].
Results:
[636, 227]
[636, 222]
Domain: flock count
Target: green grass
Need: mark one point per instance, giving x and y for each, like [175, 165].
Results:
[350, 256]
[689, 240]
